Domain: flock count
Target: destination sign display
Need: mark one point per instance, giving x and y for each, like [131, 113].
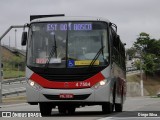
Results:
[85, 26]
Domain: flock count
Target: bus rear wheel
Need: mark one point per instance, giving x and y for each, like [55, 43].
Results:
[118, 107]
[45, 109]
[107, 108]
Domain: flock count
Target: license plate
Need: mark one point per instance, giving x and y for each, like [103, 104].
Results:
[66, 96]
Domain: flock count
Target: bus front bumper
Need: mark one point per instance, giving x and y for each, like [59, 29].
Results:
[101, 94]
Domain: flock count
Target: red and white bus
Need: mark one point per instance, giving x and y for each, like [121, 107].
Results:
[73, 62]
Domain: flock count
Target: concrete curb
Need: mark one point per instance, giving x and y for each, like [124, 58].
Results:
[12, 105]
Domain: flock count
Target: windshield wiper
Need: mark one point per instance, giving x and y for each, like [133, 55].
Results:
[96, 56]
[52, 52]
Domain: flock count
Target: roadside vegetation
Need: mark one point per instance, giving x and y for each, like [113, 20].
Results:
[13, 64]
[147, 52]
[13, 74]
[151, 83]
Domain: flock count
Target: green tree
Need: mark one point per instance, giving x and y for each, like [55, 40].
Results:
[137, 64]
[150, 65]
[150, 52]
[131, 52]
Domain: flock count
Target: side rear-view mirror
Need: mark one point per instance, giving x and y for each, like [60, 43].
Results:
[1, 65]
[24, 39]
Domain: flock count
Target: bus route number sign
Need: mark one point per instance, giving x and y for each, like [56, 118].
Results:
[83, 84]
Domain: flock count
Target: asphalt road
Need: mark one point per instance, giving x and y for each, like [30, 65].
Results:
[136, 107]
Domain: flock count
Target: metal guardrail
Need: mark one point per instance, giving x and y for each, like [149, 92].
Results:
[13, 91]
[22, 79]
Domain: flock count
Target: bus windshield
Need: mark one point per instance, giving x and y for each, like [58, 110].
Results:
[67, 44]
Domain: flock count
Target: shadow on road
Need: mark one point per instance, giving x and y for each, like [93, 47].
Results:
[84, 114]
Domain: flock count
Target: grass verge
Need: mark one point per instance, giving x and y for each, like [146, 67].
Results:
[13, 74]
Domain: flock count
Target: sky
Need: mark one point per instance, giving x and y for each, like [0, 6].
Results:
[131, 16]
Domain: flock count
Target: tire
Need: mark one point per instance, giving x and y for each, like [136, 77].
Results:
[118, 107]
[107, 108]
[114, 97]
[45, 109]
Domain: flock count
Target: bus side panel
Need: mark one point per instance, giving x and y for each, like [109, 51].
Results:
[119, 76]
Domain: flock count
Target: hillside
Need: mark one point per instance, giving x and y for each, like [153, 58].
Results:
[151, 83]
[13, 63]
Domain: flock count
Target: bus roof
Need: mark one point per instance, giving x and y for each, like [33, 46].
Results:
[69, 18]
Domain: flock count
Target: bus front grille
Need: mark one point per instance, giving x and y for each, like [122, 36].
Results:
[66, 78]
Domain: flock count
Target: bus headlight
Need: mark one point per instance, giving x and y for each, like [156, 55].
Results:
[34, 85]
[99, 84]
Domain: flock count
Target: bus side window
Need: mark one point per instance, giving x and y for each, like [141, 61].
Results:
[113, 34]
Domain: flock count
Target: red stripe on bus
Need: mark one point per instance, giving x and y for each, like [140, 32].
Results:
[67, 85]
